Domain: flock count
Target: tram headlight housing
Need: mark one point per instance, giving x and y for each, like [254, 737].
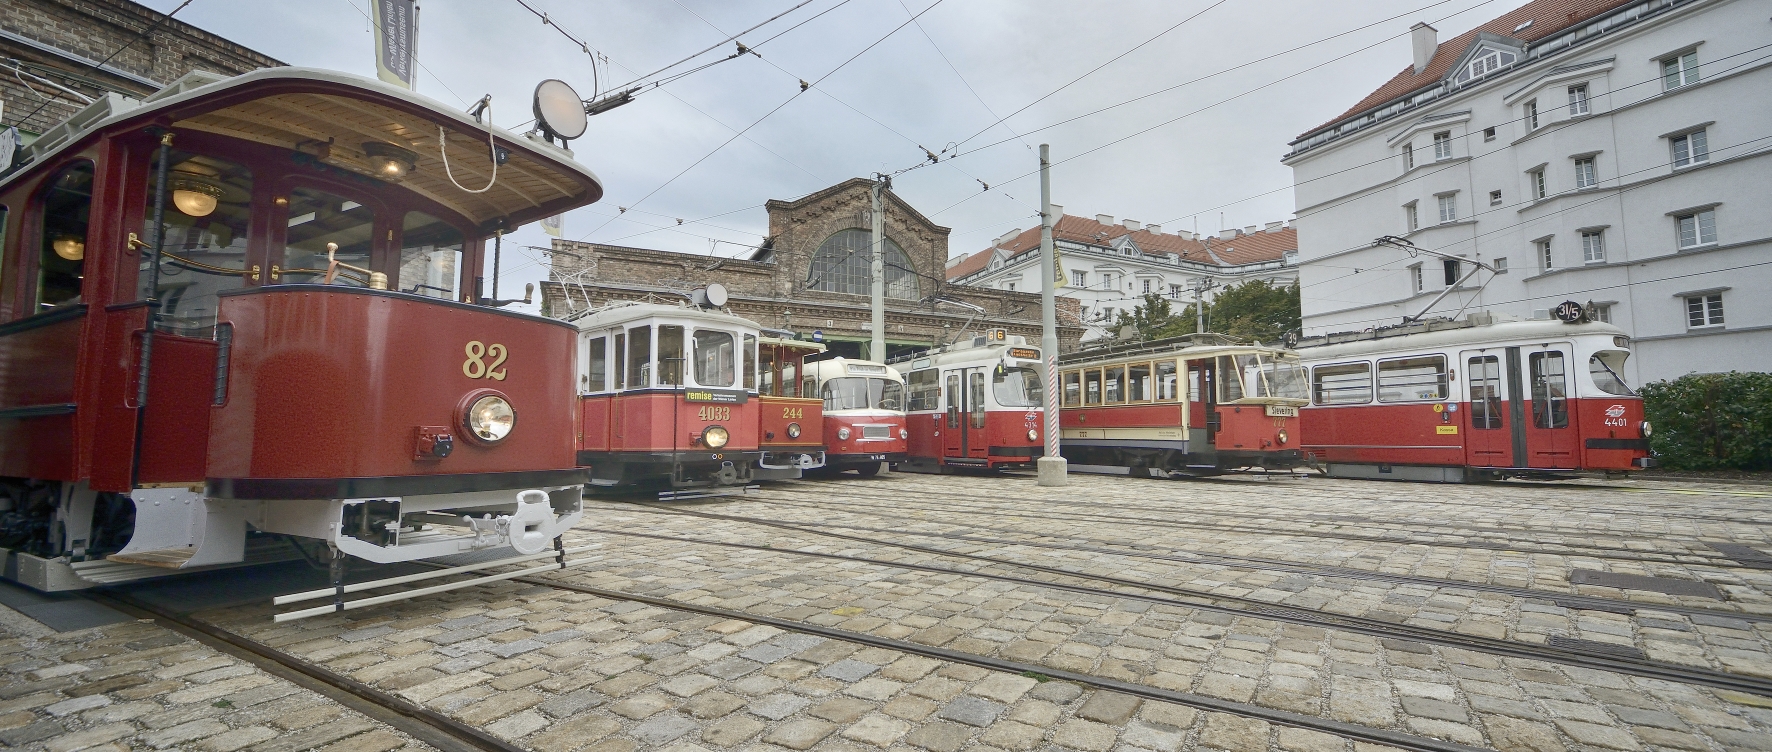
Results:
[715, 437]
[1645, 429]
[1281, 437]
[904, 433]
[793, 430]
[843, 434]
[1033, 434]
[489, 417]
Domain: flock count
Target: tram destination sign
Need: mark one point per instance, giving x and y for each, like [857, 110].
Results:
[1024, 353]
[715, 396]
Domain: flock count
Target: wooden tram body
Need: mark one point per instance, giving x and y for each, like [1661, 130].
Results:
[864, 418]
[790, 421]
[156, 406]
[1458, 401]
[956, 421]
[668, 396]
[1194, 405]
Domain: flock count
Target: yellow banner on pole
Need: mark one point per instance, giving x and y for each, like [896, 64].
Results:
[1057, 268]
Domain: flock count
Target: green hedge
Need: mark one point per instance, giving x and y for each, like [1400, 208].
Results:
[1712, 421]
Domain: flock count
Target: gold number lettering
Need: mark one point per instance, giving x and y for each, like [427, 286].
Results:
[493, 371]
[713, 413]
[791, 412]
[474, 367]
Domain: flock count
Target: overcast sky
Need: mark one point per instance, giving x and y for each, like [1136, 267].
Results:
[940, 82]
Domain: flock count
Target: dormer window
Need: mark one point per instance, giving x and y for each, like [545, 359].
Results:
[1485, 62]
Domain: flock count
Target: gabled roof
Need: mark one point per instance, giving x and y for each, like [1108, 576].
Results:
[1251, 248]
[1547, 17]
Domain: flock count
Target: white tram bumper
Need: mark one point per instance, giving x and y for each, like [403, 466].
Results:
[786, 464]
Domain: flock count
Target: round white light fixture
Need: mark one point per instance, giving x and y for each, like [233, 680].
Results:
[559, 110]
[195, 198]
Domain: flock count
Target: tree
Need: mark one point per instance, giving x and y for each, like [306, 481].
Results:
[1254, 310]
[1149, 318]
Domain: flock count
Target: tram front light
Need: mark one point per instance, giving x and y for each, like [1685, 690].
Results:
[715, 437]
[793, 430]
[491, 418]
[1645, 428]
[843, 434]
[904, 433]
[1033, 434]
[1281, 437]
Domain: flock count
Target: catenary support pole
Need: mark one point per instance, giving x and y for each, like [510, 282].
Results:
[877, 272]
[1052, 466]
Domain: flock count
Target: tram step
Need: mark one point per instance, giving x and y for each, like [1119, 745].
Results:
[166, 558]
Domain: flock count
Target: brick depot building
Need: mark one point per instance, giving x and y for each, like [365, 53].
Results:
[811, 276]
[59, 46]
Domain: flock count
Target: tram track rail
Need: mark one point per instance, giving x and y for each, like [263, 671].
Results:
[429, 726]
[1248, 607]
[1566, 599]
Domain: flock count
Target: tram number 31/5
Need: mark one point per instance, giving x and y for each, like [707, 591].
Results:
[714, 413]
[476, 367]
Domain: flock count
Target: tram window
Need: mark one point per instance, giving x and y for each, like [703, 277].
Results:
[1413, 379]
[1138, 382]
[1073, 388]
[599, 370]
[670, 356]
[1550, 403]
[809, 386]
[1193, 384]
[750, 361]
[713, 356]
[1484, 375]
[1230, 379]
[1607, 370]
[1342, 384]
[954, 400]
[975, 398]
[208, 219]
[430, 257]
[925, 389]
[790, 377]
[1017, 387]
[1092, 387]
[317, 218]
[621, 358]
[891, 394]
[1167, 381]
[1113, 385]
[67, 208]
[767, 385]
[639, 357]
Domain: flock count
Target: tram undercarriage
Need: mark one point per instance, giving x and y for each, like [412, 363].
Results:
[1168, 459]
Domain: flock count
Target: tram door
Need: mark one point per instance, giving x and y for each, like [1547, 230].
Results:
[963, 395]
[1520, 414]
[1203, 415]
[1490, 443]
[1550, 421]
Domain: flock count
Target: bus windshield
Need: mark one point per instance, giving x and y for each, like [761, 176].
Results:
[1270, 377]
[858, 393]
[1017, 387]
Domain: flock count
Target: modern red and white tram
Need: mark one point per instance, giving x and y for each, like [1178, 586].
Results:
[977, 404]
[791, 422]
[864, 418]
[1457, 401]
[1123, 408]
[243, 312]
[668, 395]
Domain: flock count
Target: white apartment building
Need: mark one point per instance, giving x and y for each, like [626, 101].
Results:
[1599, 151]
[1109, 267]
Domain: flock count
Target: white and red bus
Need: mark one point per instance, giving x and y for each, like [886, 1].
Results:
[1456, 401]
[864, 420]
[977, 404]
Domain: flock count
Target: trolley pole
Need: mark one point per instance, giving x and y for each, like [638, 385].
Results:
[1052, 466]
[877, 272]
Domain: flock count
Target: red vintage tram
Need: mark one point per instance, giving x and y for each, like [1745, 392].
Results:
[1124, 410]
[668, 395]
[247, 306]
[957, 422]
[864, 419]
[789, 420]
[1456, 401]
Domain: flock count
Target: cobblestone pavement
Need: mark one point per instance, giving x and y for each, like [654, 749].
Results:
[553, 669]
[139, 686]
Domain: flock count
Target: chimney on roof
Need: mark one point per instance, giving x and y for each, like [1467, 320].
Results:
[1106, 219]
[1008, 236]
[1154, 229]
[1250, 230]
[1227, 234]
[1427, 42]
[1184, 235]
[1275, 226]
[1132, 224]
[955, 261]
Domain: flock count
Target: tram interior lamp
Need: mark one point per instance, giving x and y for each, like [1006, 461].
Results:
[195, 198]
[389, 161]
[69, 247]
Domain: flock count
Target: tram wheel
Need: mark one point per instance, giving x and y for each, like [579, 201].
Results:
[869, 470]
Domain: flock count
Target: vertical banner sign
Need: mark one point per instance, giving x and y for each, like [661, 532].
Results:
[1057, 269]
[396, 31]
[555, 225]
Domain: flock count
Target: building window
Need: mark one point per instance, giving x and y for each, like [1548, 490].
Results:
[1601, 312]
[1532, 115]
[1147, 286]
[1704, 310]
[1593, 246]
[1585, 175]
[1450, 267]
[1175, 291]
[1691, 148]
[1442, 145]
[1079, 279]
[1538, 187]
[842, 265]
[1488, 134]
[1500, 264]
[1408, 156]
[1107, 312]
[1108, 282]
[1544, 254]
[1578, 100]
[1415, 282]
[1697, 228]
[1448, 208]
[1411, 218]
[1679, 70]
[1495, 198]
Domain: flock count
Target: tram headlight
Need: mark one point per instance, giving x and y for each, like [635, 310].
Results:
[793, 430]
[904, 433]
[490, 418]
[1645, 428]
[1281, 437]
[1033, 434]
[715, 437]
[843, 434]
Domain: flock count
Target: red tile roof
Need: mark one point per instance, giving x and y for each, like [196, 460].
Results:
[1243, 249]
[1547, 16]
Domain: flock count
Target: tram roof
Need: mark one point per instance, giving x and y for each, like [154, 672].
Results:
[1189, 345]
[287, 106]
[622, 313]
[1443, 333]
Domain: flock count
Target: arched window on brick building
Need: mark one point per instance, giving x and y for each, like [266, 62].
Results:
[841, 265]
